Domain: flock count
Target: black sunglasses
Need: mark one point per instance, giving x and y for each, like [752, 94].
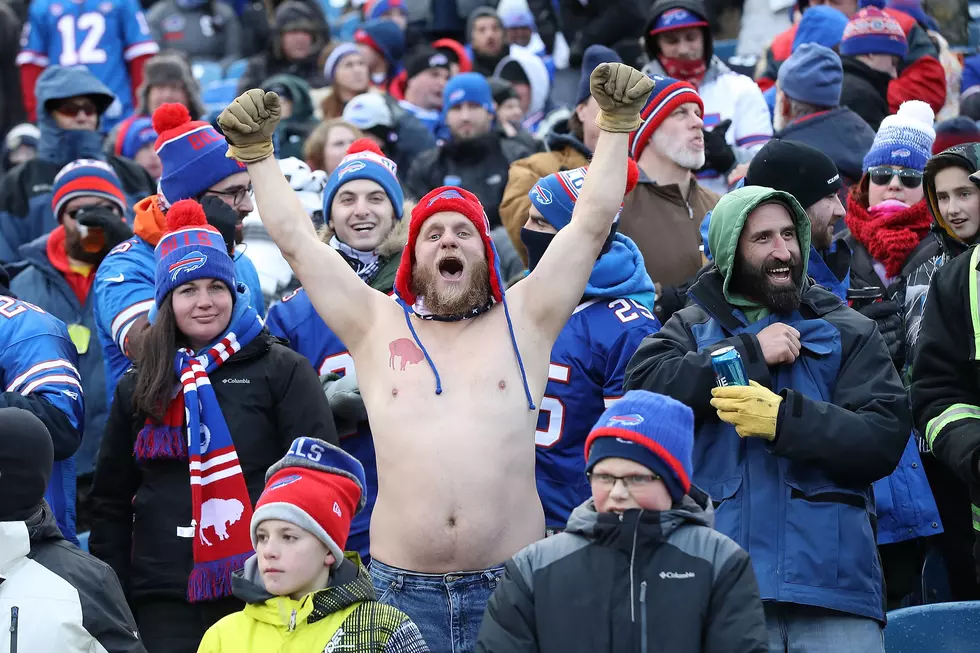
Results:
[882, 176]
[74, 107]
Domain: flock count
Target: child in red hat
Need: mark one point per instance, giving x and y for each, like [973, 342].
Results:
[303, 593]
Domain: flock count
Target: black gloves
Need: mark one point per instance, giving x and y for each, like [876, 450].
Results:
[102, 217]
[718, 155]
[887, 315]
[222, 217]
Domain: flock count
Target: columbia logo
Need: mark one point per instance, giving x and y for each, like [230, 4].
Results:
[677, 575]
[245, 381]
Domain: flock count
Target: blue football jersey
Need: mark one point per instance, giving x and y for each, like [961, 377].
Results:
[38, 358]
[124, 292]
[588, 362]
[297, 321]
[102, 35]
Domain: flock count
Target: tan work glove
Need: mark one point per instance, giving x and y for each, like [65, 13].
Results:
[248, 123]
[621, 92]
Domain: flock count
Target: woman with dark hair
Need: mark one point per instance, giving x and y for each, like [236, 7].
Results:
[212, 401]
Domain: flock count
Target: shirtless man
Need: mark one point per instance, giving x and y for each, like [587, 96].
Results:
[442, 371]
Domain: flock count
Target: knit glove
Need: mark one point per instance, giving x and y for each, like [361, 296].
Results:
[114, 229]
[751, 409]
[344, 397]
[718, 154]
[620, 91]
[248, 123]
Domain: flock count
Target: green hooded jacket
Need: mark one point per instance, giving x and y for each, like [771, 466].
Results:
[727, 220]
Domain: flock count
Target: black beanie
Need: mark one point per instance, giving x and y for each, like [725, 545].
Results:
[804, 172]
[26, 458]
[501, 90]
[513, 72]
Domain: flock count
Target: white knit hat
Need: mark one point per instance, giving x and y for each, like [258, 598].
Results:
[905, 138]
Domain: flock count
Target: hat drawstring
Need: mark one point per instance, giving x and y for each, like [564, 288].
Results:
[517, 352]
[425, 352]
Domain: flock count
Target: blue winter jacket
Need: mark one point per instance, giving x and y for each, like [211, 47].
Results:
[41, 284]
[903, 500]
[840, 133]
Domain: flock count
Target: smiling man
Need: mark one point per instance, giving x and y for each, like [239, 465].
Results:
[824, 417]
[452, 374]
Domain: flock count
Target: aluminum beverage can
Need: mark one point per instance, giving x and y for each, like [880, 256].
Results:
[728, 367]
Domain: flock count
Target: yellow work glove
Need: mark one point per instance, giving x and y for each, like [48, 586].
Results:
[248, 123]
[620, 91]
[751, 409]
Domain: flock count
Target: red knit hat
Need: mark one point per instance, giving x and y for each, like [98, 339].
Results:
[441, 200]
[316, 486]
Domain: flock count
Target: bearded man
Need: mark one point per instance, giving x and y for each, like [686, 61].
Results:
[663, 215]
[452, 374]
[790, 458]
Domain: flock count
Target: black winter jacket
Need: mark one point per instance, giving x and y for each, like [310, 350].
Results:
[617, 24]
[946, 375]
[269, 396]
[640, 581]
[480, 163]
[865, 91]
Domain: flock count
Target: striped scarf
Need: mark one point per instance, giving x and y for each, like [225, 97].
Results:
[219, 496]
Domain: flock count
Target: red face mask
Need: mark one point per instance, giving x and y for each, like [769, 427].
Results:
[686, 70]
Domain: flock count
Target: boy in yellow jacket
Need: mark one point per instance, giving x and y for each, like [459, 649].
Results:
[303, 593]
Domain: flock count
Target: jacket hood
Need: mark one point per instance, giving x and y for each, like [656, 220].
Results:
[349, 584]
[695, 508]
[19, 537]
[299, 92]
[62, 146]
[559, 138]
[35, 253]
[693, 6]
[621, 272]
[727, 220]
[537, 76]
[966, 156]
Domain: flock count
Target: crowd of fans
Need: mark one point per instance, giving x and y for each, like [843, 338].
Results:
[531, 225]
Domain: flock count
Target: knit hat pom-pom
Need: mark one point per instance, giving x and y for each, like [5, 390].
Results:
[364, 145]
[185, 213]
[917, 111]
[170, 116]
[632, 176]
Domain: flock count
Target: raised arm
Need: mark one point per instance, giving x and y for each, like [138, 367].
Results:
[552, 291]
[346, 304]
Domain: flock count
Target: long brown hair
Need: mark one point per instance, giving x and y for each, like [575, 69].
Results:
[155, 376]
[317, 140]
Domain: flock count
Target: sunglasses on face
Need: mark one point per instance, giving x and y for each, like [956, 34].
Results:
[882, 176]
[75, 107]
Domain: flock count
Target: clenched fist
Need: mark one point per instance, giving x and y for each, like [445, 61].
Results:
[248, 123]
[621, 92]
[780, 344]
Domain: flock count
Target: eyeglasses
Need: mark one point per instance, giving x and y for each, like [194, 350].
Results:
[80, 211]
[631, 482]
[882, 176]
[74, 107]
[236, 194]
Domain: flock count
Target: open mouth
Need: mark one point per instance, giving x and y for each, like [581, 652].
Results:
[363, 227]
[957, 222]
[451, 269]
[780, 275]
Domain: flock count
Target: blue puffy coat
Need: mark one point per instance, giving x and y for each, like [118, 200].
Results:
[41, 284]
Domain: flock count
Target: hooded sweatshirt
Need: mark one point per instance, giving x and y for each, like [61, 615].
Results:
[537, 75]
[728, 220]
[345, 616]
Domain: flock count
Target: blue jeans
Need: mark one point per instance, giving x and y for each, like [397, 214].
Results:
[447, 608]
[795, 628]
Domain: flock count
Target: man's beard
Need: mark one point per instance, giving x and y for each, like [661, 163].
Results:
[75, 250]
[456, 300]
[754, 283]
[686, 157]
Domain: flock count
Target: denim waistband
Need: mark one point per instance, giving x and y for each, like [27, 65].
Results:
[379, 569]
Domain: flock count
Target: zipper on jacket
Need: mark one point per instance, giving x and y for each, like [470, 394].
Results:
[643, 617]
[14, 613]
[292, 621]
[636, 530]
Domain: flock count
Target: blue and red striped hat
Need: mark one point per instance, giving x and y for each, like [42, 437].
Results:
[86, 178]
[192, 153]
[192, 249]
[677, 18]
[134, 133]
[651, 429]
[377, 8]
[668, 94]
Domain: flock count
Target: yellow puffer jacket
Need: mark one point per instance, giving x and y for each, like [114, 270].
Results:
[343, 617]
